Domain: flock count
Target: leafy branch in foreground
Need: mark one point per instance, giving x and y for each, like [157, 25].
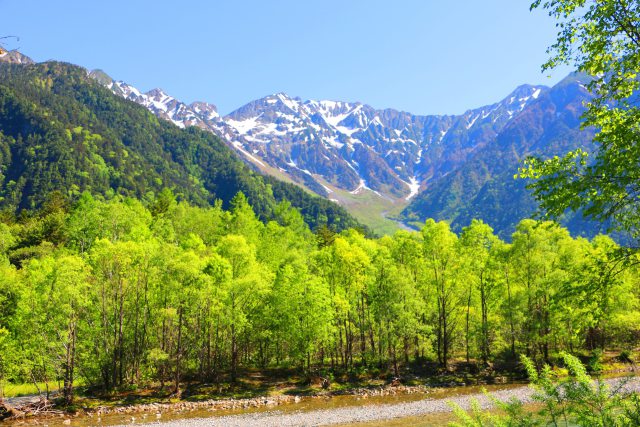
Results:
[516, 415]
[600, 38]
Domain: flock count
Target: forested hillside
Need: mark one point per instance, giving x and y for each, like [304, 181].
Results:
[62, 131]
[117, 294]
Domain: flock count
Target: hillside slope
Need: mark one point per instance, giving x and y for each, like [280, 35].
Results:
[62, 131]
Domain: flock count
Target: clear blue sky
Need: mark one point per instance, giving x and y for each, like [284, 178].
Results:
[422, 56]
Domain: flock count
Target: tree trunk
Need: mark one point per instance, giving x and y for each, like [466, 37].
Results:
[467, 323]
[176, 386]
[69, 365]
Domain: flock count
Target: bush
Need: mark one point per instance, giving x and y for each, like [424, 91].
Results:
[575, 399]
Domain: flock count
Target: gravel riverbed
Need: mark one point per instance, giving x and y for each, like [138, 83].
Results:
[375, 412]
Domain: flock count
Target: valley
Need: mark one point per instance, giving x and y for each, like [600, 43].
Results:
[320, 260]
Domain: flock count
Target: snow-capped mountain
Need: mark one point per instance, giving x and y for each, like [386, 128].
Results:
[328, 145]
[483, 187]
[167, 107]
[390, 168]
[354, 146]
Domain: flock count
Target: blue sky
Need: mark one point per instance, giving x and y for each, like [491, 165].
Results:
[422, 56]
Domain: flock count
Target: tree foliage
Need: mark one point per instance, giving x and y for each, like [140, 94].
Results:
[602, 39]
[576, 399]
[117, 294]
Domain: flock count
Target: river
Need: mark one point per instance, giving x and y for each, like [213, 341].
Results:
[420, 409]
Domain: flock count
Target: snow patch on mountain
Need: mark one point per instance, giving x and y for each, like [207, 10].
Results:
[414, 188]
[362, 185]
[244, 126]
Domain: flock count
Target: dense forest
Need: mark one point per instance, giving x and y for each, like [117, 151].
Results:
[117, 292]
[62, 131]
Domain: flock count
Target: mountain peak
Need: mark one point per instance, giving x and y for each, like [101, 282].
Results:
[15, 57]
[101, 77]
[157, 93]
[528, 91]
[335, 145]
[201, 105]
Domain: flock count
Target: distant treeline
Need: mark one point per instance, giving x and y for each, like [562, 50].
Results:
[117, 293]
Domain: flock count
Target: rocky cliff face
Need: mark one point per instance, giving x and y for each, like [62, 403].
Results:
[483, 187]
[354, 146]
[454, 168]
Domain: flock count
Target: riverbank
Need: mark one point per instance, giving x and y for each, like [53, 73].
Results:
[405, 406]
[158, 409]
[254, 388]
[261, 392]
[368, 413]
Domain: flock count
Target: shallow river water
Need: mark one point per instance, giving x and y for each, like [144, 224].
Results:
[306, 405]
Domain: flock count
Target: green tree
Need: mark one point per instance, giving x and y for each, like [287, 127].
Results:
[543, 256]
[480, 251]
[600, 38]
[606, 293]
[396, 303]
[442, 281]
[57, 307]
[11, 291]
[250, 282]
[185, 283]
[407, 253]
[123, 274]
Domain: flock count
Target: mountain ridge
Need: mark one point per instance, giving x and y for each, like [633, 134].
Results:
[331, 138]
[403, 165]
[485, 188]
[386, 165]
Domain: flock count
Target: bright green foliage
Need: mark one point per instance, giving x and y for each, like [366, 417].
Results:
[10, 290]
[573, 400]
[543, 253]
[116, 294]
[442, 283]
[476, 417]
[480, 250]
[396, 302]
[249, 284]
[54, 301]
[602, 39]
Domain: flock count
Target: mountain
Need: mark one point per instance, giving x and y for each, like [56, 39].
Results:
[485, 188]
[60, 130]
[14, 57]
[388, 168]
[373, 162]
[350, 146]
